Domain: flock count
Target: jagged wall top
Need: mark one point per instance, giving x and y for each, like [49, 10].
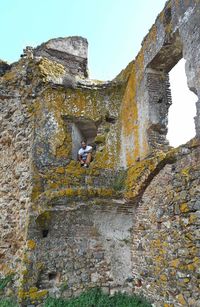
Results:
[70, 51]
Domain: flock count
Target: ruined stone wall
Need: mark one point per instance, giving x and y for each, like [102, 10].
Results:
[165, 252]
[147, 96]
[51, 104]
[165, 188]
[65, 228]
[15, 175]
[82, 245]
[70, 52]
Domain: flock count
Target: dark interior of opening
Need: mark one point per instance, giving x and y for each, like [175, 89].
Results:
[45, 233]
[52, 276]
[82, 129]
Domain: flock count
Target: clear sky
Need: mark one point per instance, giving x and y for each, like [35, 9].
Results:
[114, 29]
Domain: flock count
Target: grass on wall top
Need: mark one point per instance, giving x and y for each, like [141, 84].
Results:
[95, 298]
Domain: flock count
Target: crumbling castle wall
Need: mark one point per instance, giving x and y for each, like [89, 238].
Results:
[147, 97]
[15, 179]
[130, 221]
[165, 252]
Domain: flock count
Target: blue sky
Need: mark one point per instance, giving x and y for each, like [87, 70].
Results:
[114, 28]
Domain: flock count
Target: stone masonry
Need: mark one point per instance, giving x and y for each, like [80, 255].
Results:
[131, 221]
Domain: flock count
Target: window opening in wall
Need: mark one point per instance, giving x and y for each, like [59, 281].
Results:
[82, 129]
[181, 127]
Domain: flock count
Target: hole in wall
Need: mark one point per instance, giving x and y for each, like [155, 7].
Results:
[45, 233]
[110, 119]
[181, 127]
[52, 276]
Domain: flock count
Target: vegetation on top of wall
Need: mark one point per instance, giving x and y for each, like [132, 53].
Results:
[97, 298]
[7, 302]
[4, 281]
[119, 182]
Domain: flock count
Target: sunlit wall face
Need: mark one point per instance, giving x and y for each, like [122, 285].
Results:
[181, 126]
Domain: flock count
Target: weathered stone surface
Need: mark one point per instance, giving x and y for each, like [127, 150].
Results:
[169, 241]
[131, 221]
[3, 67]
[71, 52]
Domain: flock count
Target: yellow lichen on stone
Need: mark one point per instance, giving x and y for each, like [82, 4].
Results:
[38, 295]
[175, 263]
[60, 170]
[25, 272]
[10, 75]
[139, 173]
[139, 66]
[181, 299]
[31, 244]
[40, 265]
[21, 294]
[150, 38]
[33, 294]
[100, 139]
[105, 159]
[185, 172]
[50, 71]
[191, 267]
[193, 218]
[125, 73]
[168, 23]
[184, 207]
[74, 169]
[129, 121]
[77, 192]
[163, 277]
[26, 259]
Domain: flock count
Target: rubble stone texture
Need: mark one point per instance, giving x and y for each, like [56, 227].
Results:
[131, 221]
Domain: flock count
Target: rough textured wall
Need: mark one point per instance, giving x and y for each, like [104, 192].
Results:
[53, 209]
[174, 35]
[165, 186]
[81, 245]
[50, 104]
[165, 252]
[15, 178]
[71, 52]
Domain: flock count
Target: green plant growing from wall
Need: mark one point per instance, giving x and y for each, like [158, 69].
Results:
[119, 182]
[7, 302]
[5, 281]
[97, 298]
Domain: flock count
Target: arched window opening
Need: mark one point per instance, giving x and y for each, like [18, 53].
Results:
[181, 127]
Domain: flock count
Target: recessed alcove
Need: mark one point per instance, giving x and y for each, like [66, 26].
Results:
[82, 129]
